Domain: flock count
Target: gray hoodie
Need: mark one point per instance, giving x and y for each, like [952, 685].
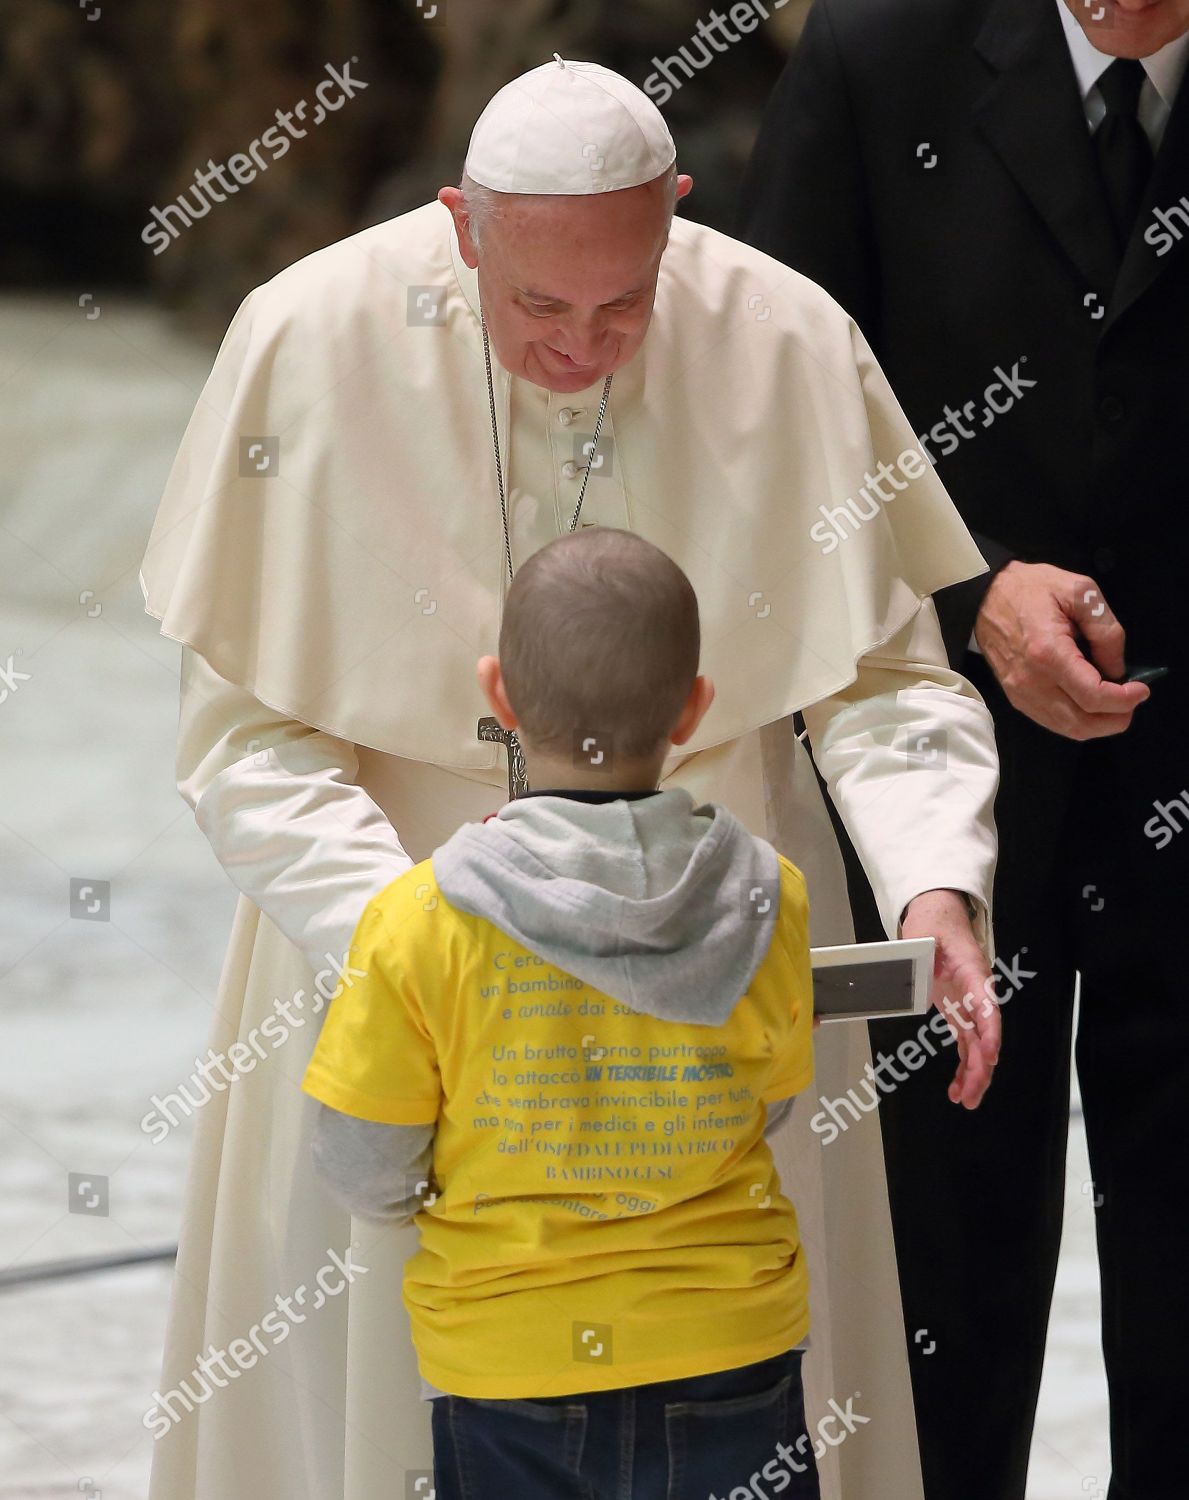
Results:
[644, 899]
[648, 898]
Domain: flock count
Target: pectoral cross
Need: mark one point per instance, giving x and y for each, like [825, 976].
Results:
[492, 729]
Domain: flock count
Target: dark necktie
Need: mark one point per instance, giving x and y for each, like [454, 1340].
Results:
[1123, 149]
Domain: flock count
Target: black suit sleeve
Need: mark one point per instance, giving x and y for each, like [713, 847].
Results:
[804, 200]
[958, 606]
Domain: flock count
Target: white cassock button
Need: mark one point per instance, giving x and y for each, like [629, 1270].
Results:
[566, 415]
[570, 469]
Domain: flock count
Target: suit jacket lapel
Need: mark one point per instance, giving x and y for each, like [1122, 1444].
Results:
[1170, 183]
[1032, 115]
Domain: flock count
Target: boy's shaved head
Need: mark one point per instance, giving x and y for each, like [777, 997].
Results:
[600, 636]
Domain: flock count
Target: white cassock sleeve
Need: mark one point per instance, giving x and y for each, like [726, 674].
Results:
[908, 753]
[278, 805]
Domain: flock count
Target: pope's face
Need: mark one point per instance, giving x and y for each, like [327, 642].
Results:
[568, 283]
[1131, 28]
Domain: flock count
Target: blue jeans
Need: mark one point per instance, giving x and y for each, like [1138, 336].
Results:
[707, 1437]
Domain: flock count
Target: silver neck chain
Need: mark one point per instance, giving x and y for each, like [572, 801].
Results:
[495, 440]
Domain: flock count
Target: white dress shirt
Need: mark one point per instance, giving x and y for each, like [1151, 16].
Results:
[1165, 69]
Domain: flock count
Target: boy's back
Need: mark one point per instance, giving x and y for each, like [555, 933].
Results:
[592, 1002]
[560, 1057]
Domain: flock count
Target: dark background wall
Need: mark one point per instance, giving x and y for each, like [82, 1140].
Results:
[108, 107]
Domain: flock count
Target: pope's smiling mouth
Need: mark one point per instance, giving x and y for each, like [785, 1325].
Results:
[566, 360]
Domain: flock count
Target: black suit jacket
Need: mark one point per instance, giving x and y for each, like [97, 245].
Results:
[928, 162]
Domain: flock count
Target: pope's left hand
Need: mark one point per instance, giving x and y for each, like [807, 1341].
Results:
[961, 991]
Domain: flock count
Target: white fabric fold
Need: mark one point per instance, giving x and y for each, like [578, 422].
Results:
[278, 804]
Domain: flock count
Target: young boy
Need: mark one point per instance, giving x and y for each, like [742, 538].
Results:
[575, 1020]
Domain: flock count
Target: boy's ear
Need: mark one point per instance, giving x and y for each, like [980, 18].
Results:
[491, 681]
[701, 696]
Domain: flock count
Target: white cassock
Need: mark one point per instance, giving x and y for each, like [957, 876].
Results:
[329, 551]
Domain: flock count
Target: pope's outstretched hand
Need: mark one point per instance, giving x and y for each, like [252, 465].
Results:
[962, 989]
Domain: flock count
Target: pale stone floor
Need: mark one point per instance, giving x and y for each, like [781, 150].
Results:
[96, 1015]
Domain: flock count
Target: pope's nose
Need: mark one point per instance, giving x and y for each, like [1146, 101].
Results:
[583, 346]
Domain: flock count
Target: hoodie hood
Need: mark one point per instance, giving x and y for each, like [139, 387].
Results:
[649, 900]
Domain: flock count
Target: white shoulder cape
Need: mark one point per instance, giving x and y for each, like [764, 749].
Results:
[338, 471]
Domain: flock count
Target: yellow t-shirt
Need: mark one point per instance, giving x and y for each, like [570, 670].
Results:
[607, 1211]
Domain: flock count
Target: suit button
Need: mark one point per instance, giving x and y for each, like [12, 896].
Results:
[566, 415]
[1104, 560]
[1111, 409]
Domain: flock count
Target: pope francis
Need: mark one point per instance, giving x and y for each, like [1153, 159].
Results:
[392, 426]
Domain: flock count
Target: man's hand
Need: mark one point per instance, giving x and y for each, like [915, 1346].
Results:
[1027, 629]
[961, 989]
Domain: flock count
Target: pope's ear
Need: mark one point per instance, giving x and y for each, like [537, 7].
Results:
[685, 184]
[451, 198]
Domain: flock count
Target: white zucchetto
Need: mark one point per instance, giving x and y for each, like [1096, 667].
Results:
[569, 128]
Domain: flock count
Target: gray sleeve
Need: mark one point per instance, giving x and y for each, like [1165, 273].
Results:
[778, 1113]
[377, 1172]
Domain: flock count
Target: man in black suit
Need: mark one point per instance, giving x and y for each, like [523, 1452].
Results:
[998, 192]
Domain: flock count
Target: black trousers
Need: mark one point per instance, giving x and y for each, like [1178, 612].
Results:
[977, 1196]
